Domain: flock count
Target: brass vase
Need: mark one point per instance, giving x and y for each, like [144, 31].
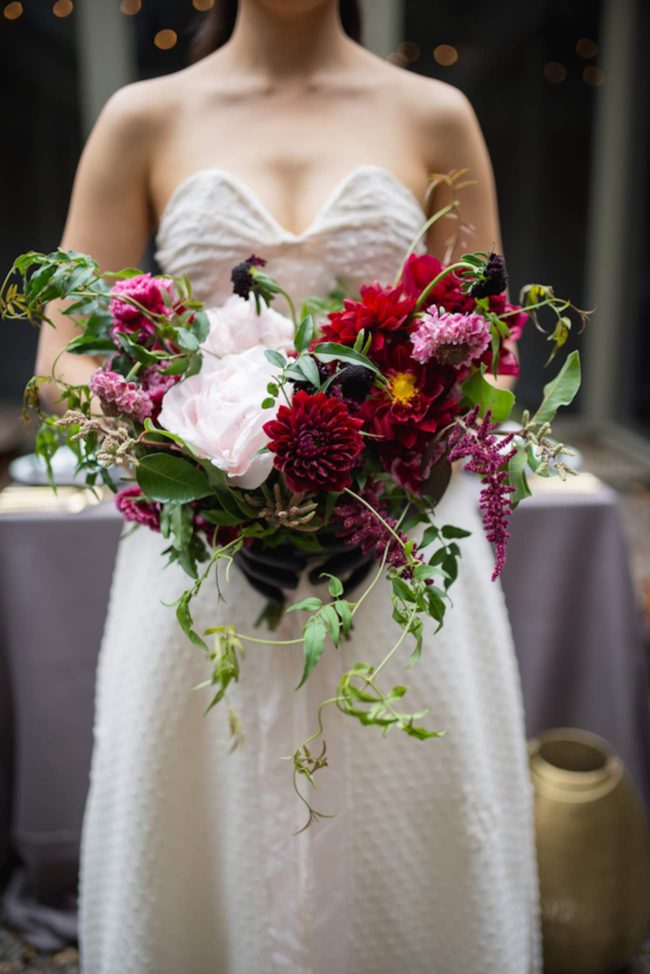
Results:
[593, 847]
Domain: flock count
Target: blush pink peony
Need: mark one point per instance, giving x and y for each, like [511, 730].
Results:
[236, 326]
[219, 414]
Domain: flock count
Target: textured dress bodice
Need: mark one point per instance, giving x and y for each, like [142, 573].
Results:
[360, 234]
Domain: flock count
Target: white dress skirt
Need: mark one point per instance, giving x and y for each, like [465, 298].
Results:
[190, 862]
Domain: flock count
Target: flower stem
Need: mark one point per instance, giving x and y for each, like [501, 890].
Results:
[365, 503]
[423, 229]
[430, 286]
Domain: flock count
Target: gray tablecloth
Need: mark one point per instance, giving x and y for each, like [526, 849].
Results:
[576, 625]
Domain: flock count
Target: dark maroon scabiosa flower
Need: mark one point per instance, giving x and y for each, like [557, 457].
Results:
[355, 382]
[133, 507]
[243, 275]
[380, 312]
[493, 280]
[489, 459]
[316, 442]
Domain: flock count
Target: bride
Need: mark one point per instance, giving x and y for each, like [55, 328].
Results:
[291, 141]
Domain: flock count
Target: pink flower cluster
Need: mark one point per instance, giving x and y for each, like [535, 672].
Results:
[489, 459]
[452, 338]
[133, 507]
[120, 397]
[130, 320]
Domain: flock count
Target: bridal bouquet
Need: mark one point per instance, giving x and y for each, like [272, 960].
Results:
[239, 424]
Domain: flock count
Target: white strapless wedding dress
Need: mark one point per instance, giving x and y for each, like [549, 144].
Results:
[190, 864]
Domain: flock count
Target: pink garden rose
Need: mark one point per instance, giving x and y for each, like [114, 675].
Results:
[236, 326]
[219, 414]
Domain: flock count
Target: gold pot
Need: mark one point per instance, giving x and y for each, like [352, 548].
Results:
[593, 848]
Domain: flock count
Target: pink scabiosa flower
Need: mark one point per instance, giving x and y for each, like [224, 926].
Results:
[489, 459]
[133, 507]
[129, 320]
[452, 339]
[120, 397]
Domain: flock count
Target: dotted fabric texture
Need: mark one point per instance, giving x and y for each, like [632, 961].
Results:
[189, 858]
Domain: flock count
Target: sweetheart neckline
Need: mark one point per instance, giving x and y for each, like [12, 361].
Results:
[257, 203]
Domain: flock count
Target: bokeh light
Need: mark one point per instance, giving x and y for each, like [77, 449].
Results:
[396, 57]
[587, 48]
[13, 11]
[445, 54]
[165, 39]
[202, 4]
[131, 7]
[555, 72]
[593, 76]
[63, 8]
[410, 50]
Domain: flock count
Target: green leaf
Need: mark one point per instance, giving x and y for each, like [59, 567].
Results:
[314, 642]
[201, 325]
[333, 352]
[430, 534]
[185, 621]
[561, 390]
[333, 623]
[275, 358]
[268, 403]
[137, 352]
[89, 345]
[165, 478]
[187, 339]
[309, 369]
[335, 585]
[486, 396]
[310, 604]
[345, 614]
[450, 531]
[222, 518]
[305, 333]
[517, 475]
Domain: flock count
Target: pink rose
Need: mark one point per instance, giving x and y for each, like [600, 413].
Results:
[236, 326]
[219, 414]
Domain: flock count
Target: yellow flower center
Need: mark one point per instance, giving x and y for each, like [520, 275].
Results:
[403, 387]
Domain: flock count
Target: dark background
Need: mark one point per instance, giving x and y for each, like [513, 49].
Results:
[539, 133]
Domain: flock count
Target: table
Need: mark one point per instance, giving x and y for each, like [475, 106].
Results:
[576, 625]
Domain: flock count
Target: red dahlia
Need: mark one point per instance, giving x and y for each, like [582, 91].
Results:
[316, 442]
[380, 310]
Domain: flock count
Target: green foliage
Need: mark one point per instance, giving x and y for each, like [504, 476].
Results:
[478, 391]
[164, 478]
[561, 390]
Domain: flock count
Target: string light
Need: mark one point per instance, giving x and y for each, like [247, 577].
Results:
[202, 4]
[587, 48]
[445, 54]
[13, 11]
[63, 8]
[165, 39]
[555, 72]
[593, 76]
[410, 50]
[131, 7]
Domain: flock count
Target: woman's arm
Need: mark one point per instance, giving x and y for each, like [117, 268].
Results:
[108, 218]
[458, 144]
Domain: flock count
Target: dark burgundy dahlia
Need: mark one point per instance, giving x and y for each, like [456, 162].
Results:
[316, 442]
